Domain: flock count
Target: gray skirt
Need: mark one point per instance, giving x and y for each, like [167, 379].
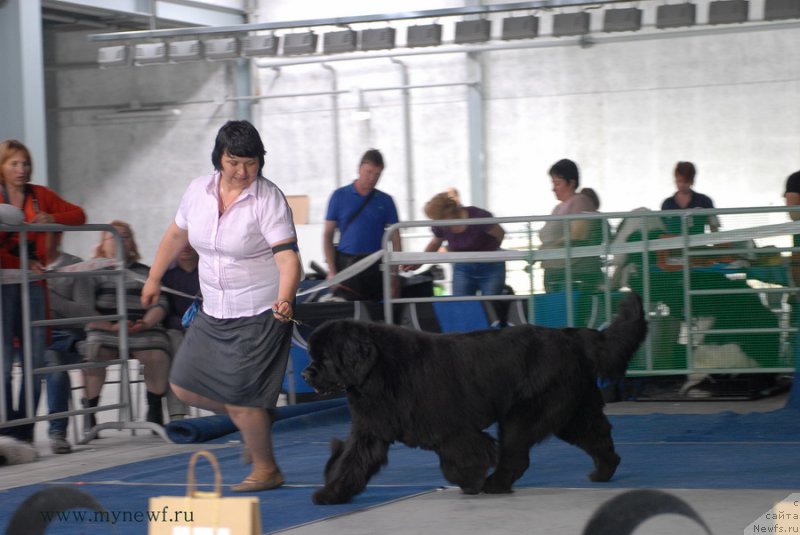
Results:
[239, 361]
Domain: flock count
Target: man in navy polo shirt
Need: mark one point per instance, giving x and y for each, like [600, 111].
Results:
[360, 212]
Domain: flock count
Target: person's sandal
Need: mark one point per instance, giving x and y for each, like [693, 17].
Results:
[255, 485]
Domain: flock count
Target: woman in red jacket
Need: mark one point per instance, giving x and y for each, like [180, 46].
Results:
[39, 205]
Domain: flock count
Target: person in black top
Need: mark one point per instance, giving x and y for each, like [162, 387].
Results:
[685, 198]
[182, 277]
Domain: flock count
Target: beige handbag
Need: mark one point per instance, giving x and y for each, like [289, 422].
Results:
[204, 513]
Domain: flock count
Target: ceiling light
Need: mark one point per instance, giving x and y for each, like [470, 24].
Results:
[145, 53]
[343, 41]
[781, 9]
[675, 15]
[520, 27]
[727, 11]
[109, 56]
[566, 24]
[185, 50]
[627, 19]
[473, 31]
[260, 45]
[424, 35]
[377, 38]
[225, 48]
[299, 43]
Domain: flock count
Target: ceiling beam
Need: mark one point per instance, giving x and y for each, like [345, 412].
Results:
[344, 21]
[183, 12]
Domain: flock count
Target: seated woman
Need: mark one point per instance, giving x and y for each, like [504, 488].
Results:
[147, 339]
[468, 277]
[685, 198]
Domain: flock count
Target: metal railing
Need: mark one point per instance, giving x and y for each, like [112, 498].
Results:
[744, 264]
[24, 278]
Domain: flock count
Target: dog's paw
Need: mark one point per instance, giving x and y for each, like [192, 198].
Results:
[601, 475]
[604, 471]
[493, 486]
[326, 496]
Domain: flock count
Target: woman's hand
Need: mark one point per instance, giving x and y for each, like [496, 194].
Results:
[103, 325]
[151, 292]
[282, 310]
[139, 325]
[43, 218]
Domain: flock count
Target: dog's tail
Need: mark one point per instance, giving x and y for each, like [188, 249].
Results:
[621, 339]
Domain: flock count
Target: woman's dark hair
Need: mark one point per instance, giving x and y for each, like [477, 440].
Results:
[238, 138]
[374, 157]
[686, 170]
[566, 169]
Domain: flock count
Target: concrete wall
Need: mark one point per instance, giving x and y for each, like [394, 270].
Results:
[626, 111]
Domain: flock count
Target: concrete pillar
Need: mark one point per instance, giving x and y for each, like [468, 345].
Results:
[22, 102]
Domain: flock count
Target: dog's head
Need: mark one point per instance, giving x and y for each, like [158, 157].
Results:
[342, 355]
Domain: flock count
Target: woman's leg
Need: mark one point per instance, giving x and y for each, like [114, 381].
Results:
[463, 282]
[256, 428]
[196, 400]
[156, 369]
[492, 278]
[95, 378]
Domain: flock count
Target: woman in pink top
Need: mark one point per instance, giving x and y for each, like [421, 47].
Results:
[586, 271]
[234, 354]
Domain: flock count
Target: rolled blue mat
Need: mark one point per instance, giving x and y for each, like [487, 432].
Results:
[205, 428]
[193, 430]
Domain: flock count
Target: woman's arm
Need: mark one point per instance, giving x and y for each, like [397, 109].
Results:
[150, 319]
[497, 232]
[54, 209]
[432, 246]
[288, 262]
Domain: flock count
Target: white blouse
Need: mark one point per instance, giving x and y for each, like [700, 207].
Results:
[238, 274]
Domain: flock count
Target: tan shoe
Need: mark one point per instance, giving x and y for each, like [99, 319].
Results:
[255, 485]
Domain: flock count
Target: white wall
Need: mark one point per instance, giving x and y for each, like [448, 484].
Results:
[625, 111]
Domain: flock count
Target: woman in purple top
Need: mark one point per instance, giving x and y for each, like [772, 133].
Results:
[468, 277]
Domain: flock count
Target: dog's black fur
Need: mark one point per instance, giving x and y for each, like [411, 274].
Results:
[441, 391]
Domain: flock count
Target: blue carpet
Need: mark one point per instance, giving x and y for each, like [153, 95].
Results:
[719, 451]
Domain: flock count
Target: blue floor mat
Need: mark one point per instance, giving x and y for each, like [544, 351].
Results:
[720, 451]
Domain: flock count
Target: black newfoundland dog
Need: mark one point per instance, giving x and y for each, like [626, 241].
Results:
[441, 391]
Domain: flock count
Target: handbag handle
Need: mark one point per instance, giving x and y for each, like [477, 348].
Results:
[190, 479]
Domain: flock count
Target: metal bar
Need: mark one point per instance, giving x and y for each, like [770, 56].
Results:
[337, 142]
[27, 357]
[31, 374]
[408, 144]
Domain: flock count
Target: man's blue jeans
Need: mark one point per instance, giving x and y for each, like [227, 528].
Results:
[61, 351]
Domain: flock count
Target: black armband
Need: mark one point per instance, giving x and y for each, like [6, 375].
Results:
[289, 246]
